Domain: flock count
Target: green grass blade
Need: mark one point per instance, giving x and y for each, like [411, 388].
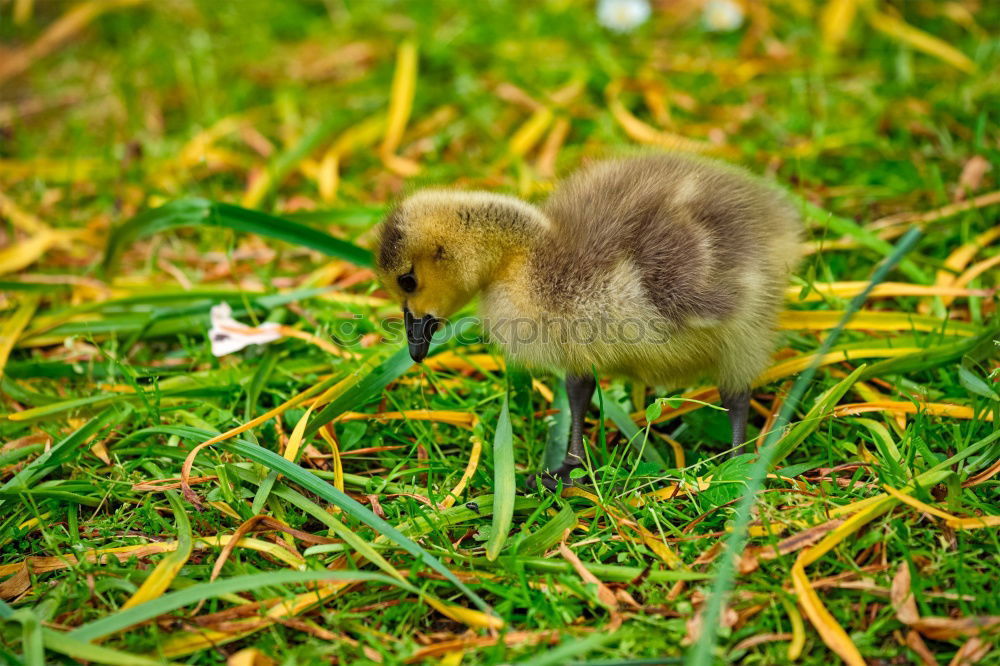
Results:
[866, 238]
[570, 648]
[330, 493]
[160, 578]
[196, 212]
[116, 622]
[633, 433]
[63, 451]
[549, 534]
[503, 484]
[59, 642]
[327, 491]
[32, 643]
[13, 327]
[811, 421]
[280, 167]
[421, 525]
[702, 653]
[340, 529]
[368, 388]
[558, 436]
[935, 356]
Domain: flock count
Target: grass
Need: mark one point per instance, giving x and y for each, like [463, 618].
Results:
[156, 160]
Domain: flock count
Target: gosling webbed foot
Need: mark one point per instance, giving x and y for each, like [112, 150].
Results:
[552, 478]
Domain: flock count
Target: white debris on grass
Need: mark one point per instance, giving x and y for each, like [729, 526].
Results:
[722, 15]
[623, 15]
[228, 335]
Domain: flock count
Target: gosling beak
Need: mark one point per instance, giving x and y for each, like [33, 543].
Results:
[419, 333]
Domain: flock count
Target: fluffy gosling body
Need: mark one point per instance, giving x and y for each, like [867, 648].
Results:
[664, 268]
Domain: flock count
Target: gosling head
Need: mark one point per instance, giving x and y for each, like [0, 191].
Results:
[439, 248]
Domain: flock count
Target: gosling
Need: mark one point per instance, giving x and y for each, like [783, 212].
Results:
[662, 268]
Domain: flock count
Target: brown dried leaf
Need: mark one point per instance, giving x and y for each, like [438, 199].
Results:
[971, 652]
[17, 584]
[902, 596]
[376, 507]
[729, 618]
[751, 556]
[946, 628]
[972, 176]
[916, 643]
[604, 595]
[748, 643]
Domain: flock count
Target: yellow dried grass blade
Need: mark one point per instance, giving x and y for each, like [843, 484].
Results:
[249, 657]
[206, 639]
[869, 512]
[163, 575]
[338, 463]
[960, 258]
[835, 20]
[23, 9]
[295, 440]
[832, 633]
[829, 630]
[976, 270]
[529, 133]
[264, 418]
[822, 320]
[845, 290]
[451, 417]
[899, 407]
[362, 135]
[59, 170]
[194, 151]
[11, 329]
[19, 256]
[798, 364]
[67, 25]
[918, 505]
[404, 86]
[905, 220]
[975, 522]
[643, 133]
[325, 345]
[328, 177]
[661, 549]
[261, 546]
[798, 629]
[470, 469]
[465, 362]
[904, 32]
[21, 219]
[467, 616]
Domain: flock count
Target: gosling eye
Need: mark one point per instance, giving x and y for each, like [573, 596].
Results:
[407, 282]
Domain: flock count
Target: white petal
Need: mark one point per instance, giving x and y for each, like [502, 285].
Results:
[228, 335]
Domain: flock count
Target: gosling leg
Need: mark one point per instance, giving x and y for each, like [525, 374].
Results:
[738, 404]
[579, 390]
